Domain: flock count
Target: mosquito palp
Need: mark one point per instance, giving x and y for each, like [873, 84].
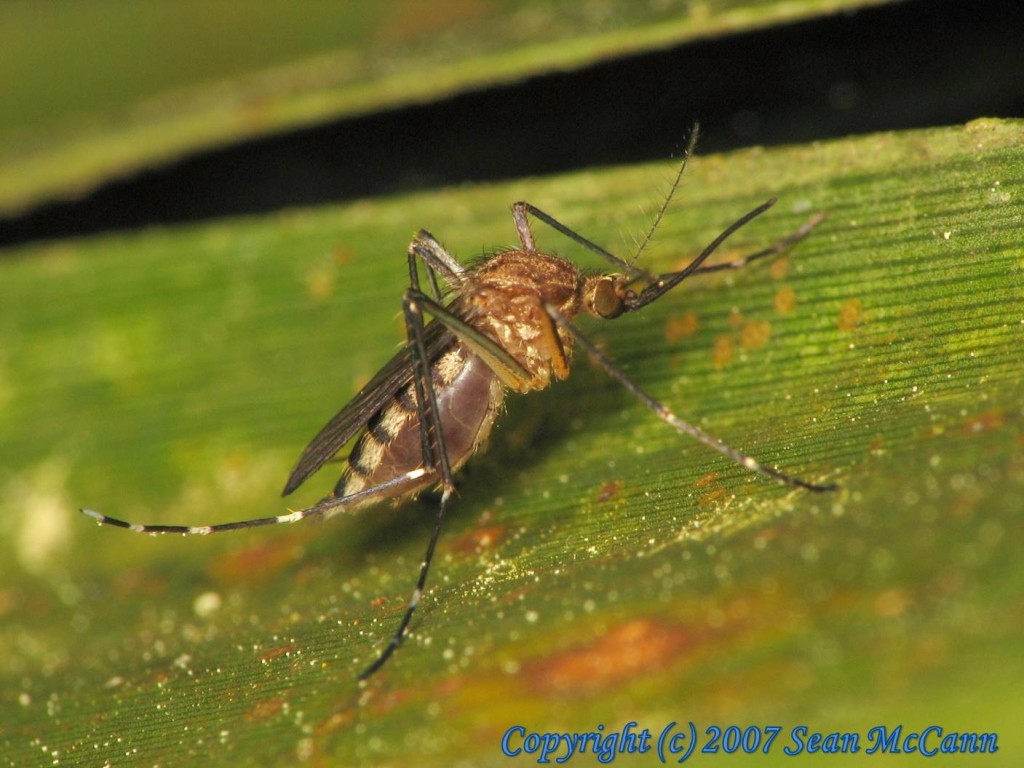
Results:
[504, 322]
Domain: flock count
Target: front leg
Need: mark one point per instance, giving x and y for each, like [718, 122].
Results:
[424, 247]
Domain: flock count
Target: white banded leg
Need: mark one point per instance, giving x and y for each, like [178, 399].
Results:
[665, 414]
[329, 504]
[426, 399]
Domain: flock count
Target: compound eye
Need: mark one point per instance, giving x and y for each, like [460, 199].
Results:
[607, 302]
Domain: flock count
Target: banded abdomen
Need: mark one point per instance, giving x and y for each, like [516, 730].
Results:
[468, 397]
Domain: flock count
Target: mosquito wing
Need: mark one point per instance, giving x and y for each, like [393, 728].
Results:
[395, 374]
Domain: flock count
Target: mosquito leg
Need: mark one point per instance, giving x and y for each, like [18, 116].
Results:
[417, 595]
[437, 260]
[424, 247]
[435, 457]
[414, 275]
[498, 359]
[520, 209]
[777, 247]
[662, 412]
[327, 505]
[435, 257]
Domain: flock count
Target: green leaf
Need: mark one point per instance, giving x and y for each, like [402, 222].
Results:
[597, 567]
[102, 89]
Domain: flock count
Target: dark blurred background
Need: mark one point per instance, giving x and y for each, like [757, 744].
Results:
[912, 64]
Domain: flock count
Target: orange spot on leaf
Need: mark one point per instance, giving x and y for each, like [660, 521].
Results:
[254, 565]
[608, 491]
[678, 327]
[638, 647]
[991, 419]
[779, 269]
[785, 300]
[277, 652]
[705, 480]
[479, 539]
[320, 281]
[135, 582]
[264, 710]
[712, 496]
[891, 603]
[338, 720]
[850, 315]
[722, 351]
[341, 254]
[406, 21]
[755, 334]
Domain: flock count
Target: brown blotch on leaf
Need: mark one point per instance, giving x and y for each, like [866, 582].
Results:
[678, 327]
[338, 720]
[991, 419]
[779, 270]
[157, 678]
[892, 603]
[712, 496]
[722, 350]
[405, 22]
[277, 652]
[785, 300]
[755, 334]
[608, 491]
[264, 710]
[134, 582]
[341, 254]
[254, 565]
[850, 315]
[479, 539]
[320, 281]
[705, 480]
[625, 652]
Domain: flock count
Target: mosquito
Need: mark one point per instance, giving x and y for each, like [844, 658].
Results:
[506, 321]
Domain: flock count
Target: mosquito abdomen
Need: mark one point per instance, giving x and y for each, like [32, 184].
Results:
[468, 397]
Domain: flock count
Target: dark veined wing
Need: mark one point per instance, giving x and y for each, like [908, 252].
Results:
[395, 374]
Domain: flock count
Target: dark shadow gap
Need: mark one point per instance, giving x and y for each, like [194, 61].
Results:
[914, 64]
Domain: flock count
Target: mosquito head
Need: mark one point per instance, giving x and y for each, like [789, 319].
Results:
[610, 296]
[606, 296]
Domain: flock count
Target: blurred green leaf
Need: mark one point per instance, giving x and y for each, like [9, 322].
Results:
[597, 568]
[99, 89]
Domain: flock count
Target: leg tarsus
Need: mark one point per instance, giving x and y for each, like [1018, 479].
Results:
[777, 247]
[435, 457]
[417, 595]
[665, 414]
